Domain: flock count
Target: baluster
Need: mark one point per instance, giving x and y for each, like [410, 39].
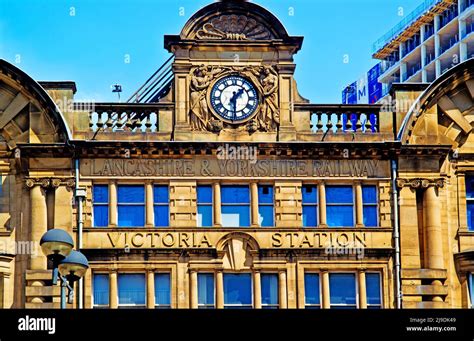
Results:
[329, 124]
[338, 122]
[110, 123]
[349, 122]
[91, 121]
[138, 121]
[319, 123]
[100, 123]
[118, 121]
[157, 121]
[358, 123]
[148, 122]
[129, 123]
[368, 124]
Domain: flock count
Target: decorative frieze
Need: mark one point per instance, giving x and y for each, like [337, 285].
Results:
[420, 182]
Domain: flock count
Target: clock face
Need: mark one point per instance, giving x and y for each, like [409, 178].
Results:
[234, 98]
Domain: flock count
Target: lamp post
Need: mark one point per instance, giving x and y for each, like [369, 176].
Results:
[68, 265]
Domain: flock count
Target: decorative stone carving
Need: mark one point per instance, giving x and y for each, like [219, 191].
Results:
[420, 183]
[70, 183]
[237, 250]
[265, 79]
[233, 27]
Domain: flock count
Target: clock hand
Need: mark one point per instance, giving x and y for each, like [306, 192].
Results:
[234, 98]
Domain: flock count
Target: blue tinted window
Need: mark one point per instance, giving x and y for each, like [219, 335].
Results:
[342, 289]
[160, 194]
[237, 290]
[162, 290]
[206, 290]
[369, 199]
[131, 289]
[101, 289]
[204, 206]
[311, 289]
[470, 201]
[100, 194]
[100, 199]
[235, 206]
[235, 195]
[265, 205]
[339, 195]
[161, 205]
[310, 205]
[372, 281]
[269, 287]
[204, 194]
[265, 194]
[339, 206]
[131, 205]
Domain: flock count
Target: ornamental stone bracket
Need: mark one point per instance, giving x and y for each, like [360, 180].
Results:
[417, 183]
[70, 183]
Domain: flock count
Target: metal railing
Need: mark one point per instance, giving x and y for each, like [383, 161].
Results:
[352, 118]
[467, 30]
[466, 4]
[448, 15]
[429, 31]
[405, 23]
[125, 117]
[451, 42]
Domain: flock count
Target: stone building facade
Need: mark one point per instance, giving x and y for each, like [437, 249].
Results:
[233, 191]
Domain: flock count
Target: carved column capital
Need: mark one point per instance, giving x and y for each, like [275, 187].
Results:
[418, 183]
[50, 182]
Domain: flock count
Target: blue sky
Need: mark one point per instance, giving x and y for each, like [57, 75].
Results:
[88, 41]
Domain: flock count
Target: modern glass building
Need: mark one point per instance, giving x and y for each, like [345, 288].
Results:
[435, 37]
[218, 186]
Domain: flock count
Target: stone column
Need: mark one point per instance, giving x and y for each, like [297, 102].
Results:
[194, 289]
[113, 285]
[113, 218]
[150, 289]
[149, 212]
[326, 303]
[359, 205]
[219, 290]
[254, 204]
[409, 237]
[283, 291]
[362, 289]
[257, 290]
[217, 204]
[39, 223]
[322, 204]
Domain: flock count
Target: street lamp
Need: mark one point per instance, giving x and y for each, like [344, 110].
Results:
[69, 265]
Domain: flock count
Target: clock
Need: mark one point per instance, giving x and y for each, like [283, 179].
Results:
[234, 99]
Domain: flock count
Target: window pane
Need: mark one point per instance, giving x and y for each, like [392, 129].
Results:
[237, 289]
[309, 216]
[160, 194]
[131, 194]
[100, 194]
[161, 215]
[131, 289]
[311, 288]
[101, 215]
[269, 288]
[265, 215]
[204, 216]
[206, 289]
[310, 194]
[369, 194]
[370, 216]
[204, 194]
[131, 215]
[339, 195]
[469, 186]
[265, 194]
[340, 215]
[342, 289]
[372, 281]
[235, 216]
[101, 289]
[162, 289]
[235, 194]
[470, 215]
